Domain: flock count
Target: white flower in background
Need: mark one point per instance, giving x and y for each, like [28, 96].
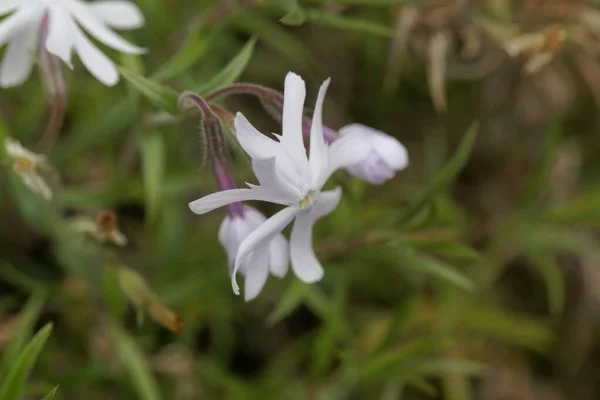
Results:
[26, 165]
[234, 230]
[105, 229]
[65, 20]
[386, 154]
[289, 178]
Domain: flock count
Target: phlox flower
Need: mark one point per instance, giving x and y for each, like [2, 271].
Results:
[289, 178]
[26, 165]
[63, 23]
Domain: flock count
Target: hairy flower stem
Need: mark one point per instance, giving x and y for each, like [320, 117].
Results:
[216, 148]
[54, 83]
[272, 102]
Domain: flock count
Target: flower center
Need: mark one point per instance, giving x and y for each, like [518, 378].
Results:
[23, 165]
[307, 202]
[106, 222]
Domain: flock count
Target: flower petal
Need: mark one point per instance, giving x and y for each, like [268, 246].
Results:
[391, 151]
[117, 14]
[15, 23]
[348, 150]
[387, 147]
[260, 237]
[279, 257]
[61, 34]
[276, 179]
[97, 29]
[256, 273]
[37, 185]
[226, 240]
[9, 5]
[318, 161]
[293, 109]
[305, 264]
[326, 202]
[95, 61]
[220, 199]
[18, 59]
[254, 143]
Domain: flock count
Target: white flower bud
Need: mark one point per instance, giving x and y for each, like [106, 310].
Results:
[387, 154]
[272, 257]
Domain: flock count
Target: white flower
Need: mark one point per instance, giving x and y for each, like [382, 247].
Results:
[386, 154]
[234, 230]
[289, 178]
[26, 165]
[104, 229]
[65, 20]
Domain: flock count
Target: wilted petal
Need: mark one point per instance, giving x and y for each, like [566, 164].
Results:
[18, 59]
[97, 29]
[118, 238]
[436, 74]
[61, 34]
[256, 273]
[220, 199]
[95, 61]
[118, 14]
[260, 237]
[318, 160]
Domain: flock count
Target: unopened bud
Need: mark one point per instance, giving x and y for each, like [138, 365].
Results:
[137, 290]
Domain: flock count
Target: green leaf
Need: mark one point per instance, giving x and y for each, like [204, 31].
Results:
[232, 71]
[190, 52]
[539, 178]
[294, 14]
[551, 273]
[159, 95]
[492, 321]
[380, 365]
[275, 37]
[52, 394]
[324, 18]
[410, 258]
[153, 161]
[373, 2]
[13, 385]
[444, 366]
[292, 298]
[447, 175]
[27, 318]
[135, 364]
[585, 208]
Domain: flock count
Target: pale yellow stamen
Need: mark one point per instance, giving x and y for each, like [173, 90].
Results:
[306, 202]
[23, 165]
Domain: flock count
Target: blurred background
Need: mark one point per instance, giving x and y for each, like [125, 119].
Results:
[473, 274]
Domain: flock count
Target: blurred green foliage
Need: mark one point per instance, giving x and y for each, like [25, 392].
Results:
[471, 275]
